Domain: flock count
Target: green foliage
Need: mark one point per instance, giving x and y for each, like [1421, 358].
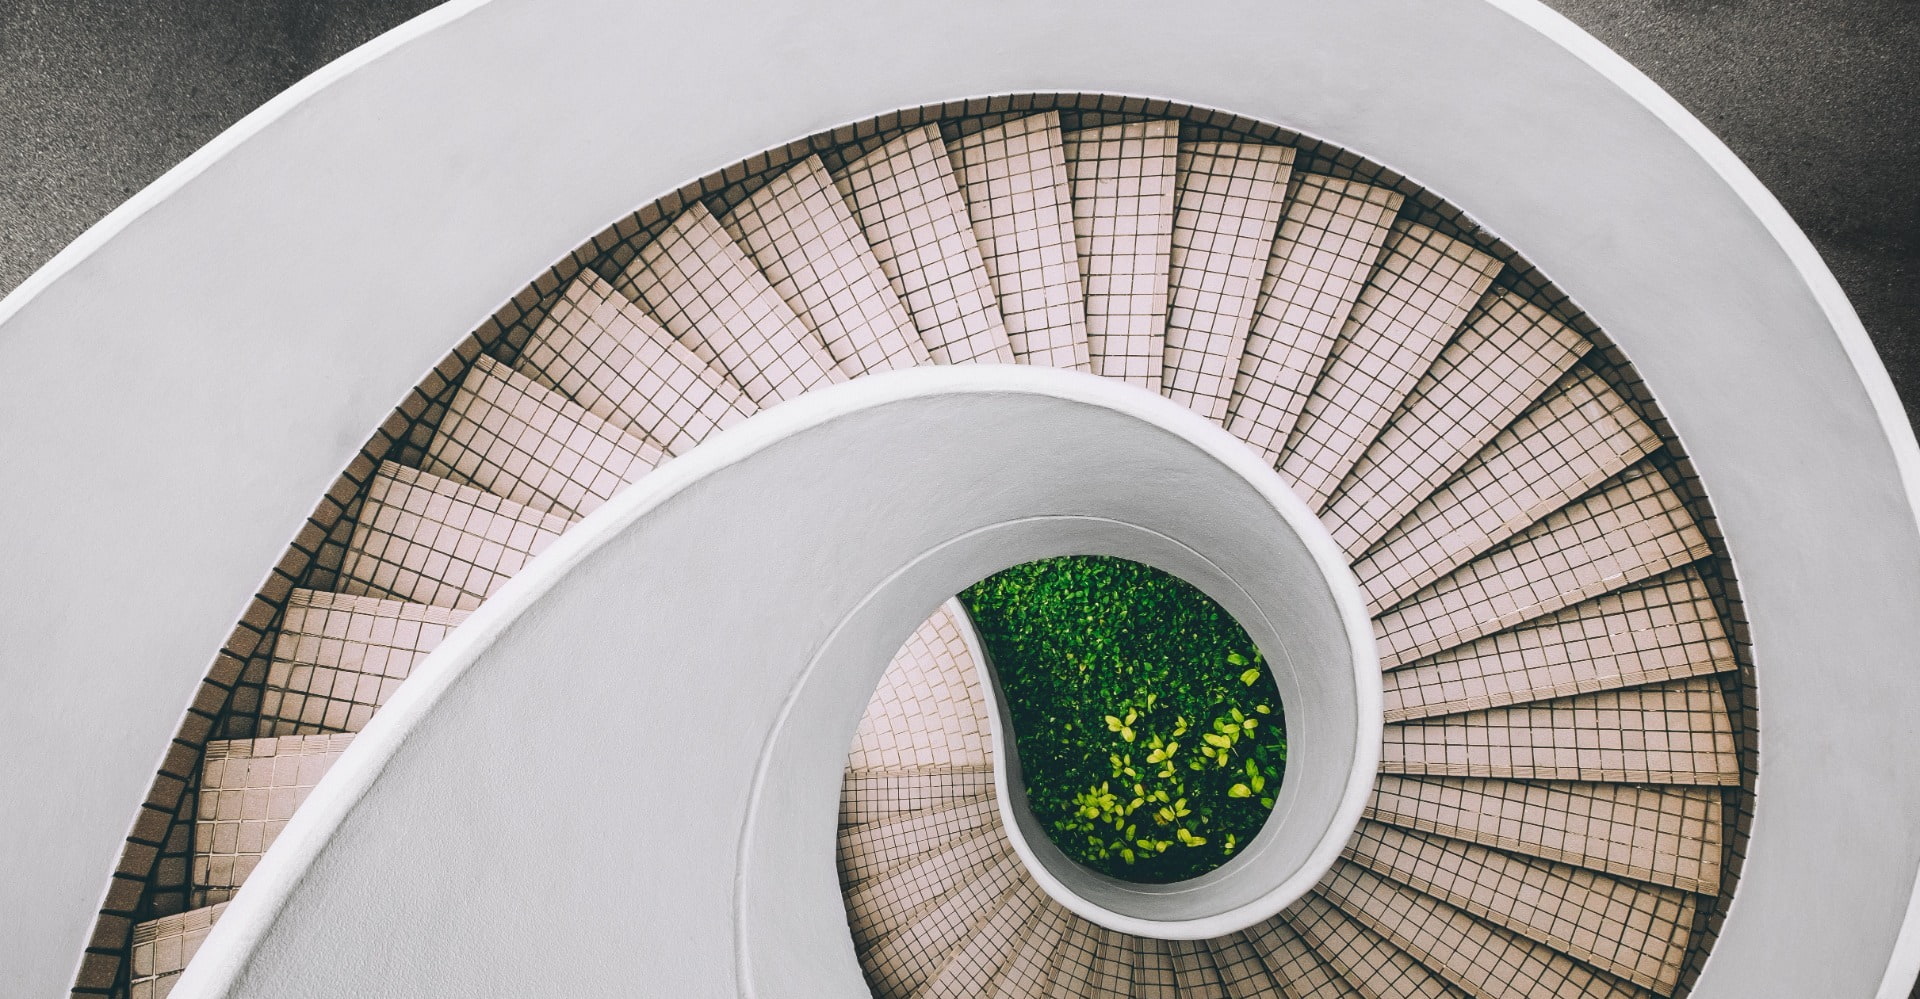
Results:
[1150, 733]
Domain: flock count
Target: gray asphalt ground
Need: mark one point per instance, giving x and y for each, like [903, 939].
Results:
[1820, 97]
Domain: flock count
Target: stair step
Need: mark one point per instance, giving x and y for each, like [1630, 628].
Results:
[1242, 971]
[1664, 629]
[162, 948]
[800, 233]
[1636, 931]
[988, 948]
[1025, 975]
[1631, 530]
[908, 203]
[903, 963]
[875, 849]
[700, 285]
[426, 539]
[1670, 733]
[1071, 975]
[1508, 354]
[872, 796]
[339, 657]
[1417, 298]
[1580, 434]
[1194, 973]
[1329, 240]
[1123, 186]
[883, 905]
[1114, 957]
[249, 788]
[928, 710]
[1372, 965]
[513, 437]
[1302, 972]
[1664, 835]
[1153, 976]
[1226, 212]
[1013, 177]
[602, 351]
[1479, 958]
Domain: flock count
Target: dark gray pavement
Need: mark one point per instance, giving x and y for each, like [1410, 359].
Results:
[1820, 97]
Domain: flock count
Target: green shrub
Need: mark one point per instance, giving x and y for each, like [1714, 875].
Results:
[1150, 734]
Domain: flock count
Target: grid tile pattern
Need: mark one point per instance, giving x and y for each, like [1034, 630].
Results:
[799, 231]
[603, 352]
[1113, 964]
[1246, 976]
[1025, 975]
[969, 971]
[903, 963]
[431, 540]
[1665, 629]
[1673, 733]
[1301, 972]
[705, 291]
[516, 438]
[1425, 284]
[1153, 976]
[339, 657]
[1482, 959]
[1578, 436]
[162, 948]
[1636, 528]
[1071, 976]
[249, 788]
[1328, 241]
[1508, 354]
[1666, 835]
[928, 710]
[1123, 185]
[1226, 211]
[1636, 931]
[908, 204]
[1376, 967]
[875, 797]
[1014, 179]
[883, 905]
[873, 849]
[1194, 974]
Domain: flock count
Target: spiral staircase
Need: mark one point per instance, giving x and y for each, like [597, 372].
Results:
[1567, 752]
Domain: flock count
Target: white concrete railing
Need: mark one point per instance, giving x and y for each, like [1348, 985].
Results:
[146, 374]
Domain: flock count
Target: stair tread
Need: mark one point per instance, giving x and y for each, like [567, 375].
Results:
[1329, 239]
[870, 795]
[1372, 965]
[1227, 204]
[908, 203]
[338, 657]
[1153, 975]
[1122, 178]
[880, 905]
[875, 849]
[904, 961]
[1303, 974]
[1072, 973]
[161, 949]
[801, 234]
[700, 285]
[605, 353]
[928, 709]
[1194, 972]
[970, 970]
[1013, 177]
[1242, 972]
[248, 790]
[1026, 974]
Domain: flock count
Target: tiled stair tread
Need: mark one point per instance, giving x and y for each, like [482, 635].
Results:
[1123, 187]
[339, 657]
[1013, 177]
[1630, 929]
[515, 438]
[869, 796]
[1153, 976]
[879, 905]
[1478, 957]
[605, 353]
[1025, 974]
[1664, 835]
[249, 788]
[1671, 733]
[876, 848]
[1194, 974]
[428, 539]
[1580, 434]
[162, 948]
[1242, 972]
[1328, 242]
[800, 233]
[1372, 965]
[1663, 629]
[928, 710]
[1071, 974]
[990, 945]
[1631, 529]
[1417, 298]
[908, 203]
[1303, 974]
[1227, 205]
[904, 961]
[1115, 960]
[1507, 355]
[700, 285]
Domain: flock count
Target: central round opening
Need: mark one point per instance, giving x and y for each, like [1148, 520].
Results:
[1151, 735]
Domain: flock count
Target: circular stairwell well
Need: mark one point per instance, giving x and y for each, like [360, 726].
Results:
[1568, 720]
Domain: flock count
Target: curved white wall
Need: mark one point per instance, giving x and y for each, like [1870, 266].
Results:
[177, 389]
